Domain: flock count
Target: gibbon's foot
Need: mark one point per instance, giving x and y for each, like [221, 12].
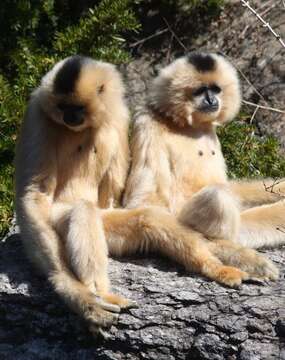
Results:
[261, 268]
[231, 276]
[118, 301]
[255, 264]
[99, 315]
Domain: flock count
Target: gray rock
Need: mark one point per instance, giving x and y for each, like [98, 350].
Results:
[180, 316]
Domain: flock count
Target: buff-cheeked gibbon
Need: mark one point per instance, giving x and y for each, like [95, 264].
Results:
[72, 161]
[177, 162]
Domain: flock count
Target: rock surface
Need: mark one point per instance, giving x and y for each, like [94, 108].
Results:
[180, 316]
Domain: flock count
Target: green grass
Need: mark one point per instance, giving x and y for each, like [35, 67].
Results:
[248, 155]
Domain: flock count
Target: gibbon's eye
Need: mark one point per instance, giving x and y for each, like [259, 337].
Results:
[215, 88]
[201, 90]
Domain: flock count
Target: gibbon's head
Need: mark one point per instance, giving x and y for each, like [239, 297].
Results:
[80, 92]
[197, 88]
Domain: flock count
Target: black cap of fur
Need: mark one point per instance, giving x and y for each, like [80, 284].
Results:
[203, 62]
[68, 75]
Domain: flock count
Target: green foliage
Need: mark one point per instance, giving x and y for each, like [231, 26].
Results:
[99, 32]
[249, 155]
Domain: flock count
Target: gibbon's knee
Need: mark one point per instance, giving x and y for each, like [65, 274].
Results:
[214, 212]
[86, 245]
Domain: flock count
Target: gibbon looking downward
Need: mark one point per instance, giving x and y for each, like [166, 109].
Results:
[71, 164]
[177, 161]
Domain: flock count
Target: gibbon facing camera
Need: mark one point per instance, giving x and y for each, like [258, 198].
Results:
[177, 162]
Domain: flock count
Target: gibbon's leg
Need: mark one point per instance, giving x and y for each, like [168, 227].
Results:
[80, 225]
[213, 211]
[153, 229]
[45, 249]
[249, 260]
[258, 192]
[263, 226]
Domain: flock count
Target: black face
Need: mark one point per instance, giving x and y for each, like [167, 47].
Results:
[208, 101]
[73, 115]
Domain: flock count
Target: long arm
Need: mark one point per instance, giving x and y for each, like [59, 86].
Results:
[116, 168]
[149, 179]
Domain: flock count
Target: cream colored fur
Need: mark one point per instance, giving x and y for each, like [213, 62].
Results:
[177, 162]
[63, 175]
[67, 180]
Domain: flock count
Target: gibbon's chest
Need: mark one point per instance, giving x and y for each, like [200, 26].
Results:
[195, 161]
[77, 167]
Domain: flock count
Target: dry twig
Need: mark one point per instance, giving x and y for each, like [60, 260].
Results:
[148, 38]
[265, 24]
[263, 107]
[175, 36]
[272, 187]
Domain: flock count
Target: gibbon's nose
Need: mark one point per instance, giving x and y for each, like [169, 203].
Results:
[210, 101]
[73, 117]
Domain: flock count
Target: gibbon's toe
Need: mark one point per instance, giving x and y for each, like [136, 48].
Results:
[131, 305]
[110, 307]
[231, 276]
[119, 301]
[97, 317]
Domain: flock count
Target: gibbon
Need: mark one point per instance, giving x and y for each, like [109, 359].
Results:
[72, 161]
[73, 157]
[177, 162]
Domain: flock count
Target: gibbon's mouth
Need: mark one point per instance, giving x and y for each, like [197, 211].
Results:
[73, 119]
